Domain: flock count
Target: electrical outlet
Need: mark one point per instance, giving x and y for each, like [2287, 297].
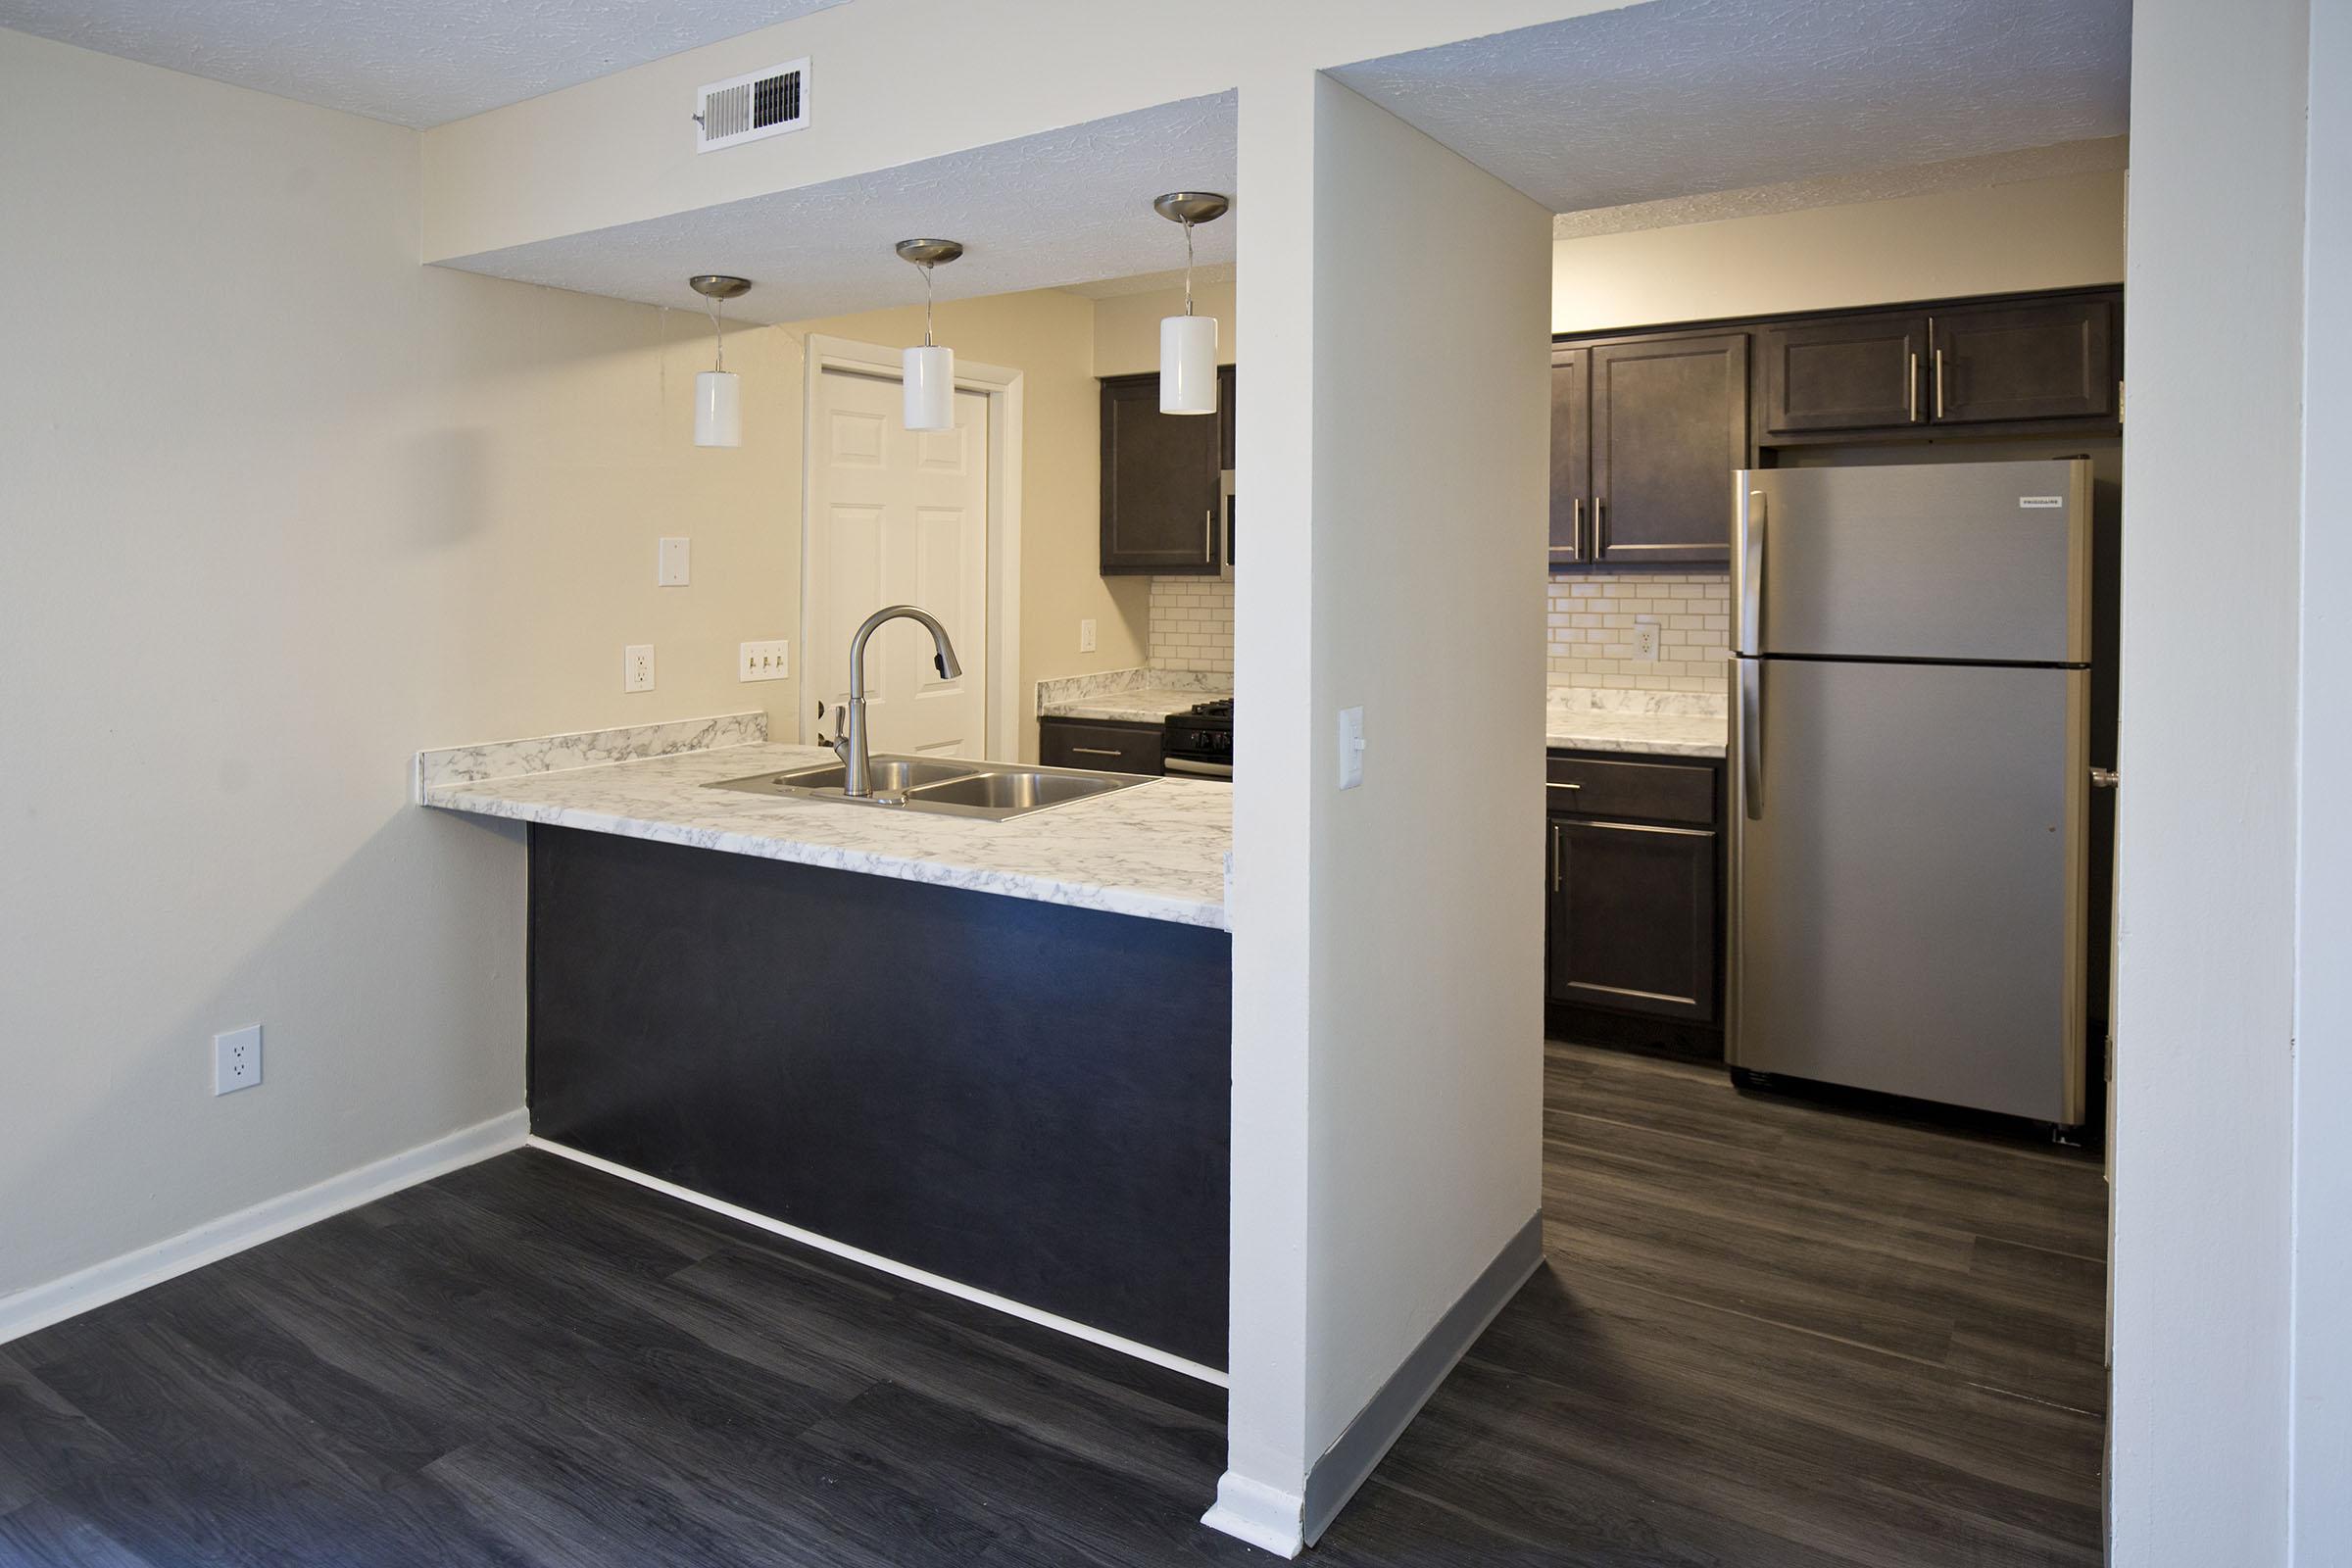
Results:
[669, 564]
[1646, 639]
[763, 660]
[637, 668]
[238, 1060]
[1085, 636]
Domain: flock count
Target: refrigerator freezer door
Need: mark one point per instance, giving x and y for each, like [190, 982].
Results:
[1908, 901]
[1972, 561]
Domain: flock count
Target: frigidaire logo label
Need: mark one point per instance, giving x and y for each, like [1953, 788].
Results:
[2041, 501]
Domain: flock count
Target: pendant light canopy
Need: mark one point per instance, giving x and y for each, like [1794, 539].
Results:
[719, 391]
[1188, 343]
[929, 371]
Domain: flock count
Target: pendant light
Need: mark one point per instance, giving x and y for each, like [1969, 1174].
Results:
[929, 371]
[718, 392]
[1188, 343]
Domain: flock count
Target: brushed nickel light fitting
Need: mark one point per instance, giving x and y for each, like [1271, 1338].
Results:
[1188, 343]
[928, 370]
[719, 391]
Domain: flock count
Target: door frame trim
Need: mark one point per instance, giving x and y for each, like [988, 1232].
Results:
[1005, 394]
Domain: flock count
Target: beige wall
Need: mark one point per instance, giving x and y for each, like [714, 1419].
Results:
[2041, 233]
[1048, 335]
[1127, 326]
[281, 507]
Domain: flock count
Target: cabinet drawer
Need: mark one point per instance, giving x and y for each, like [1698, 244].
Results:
[1654, 792]
[1099, 748]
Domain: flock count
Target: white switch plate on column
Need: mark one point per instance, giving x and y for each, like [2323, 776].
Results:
[1352, 747]
[763, 661]
[669, 569]
[238, 1060]
[637, 668]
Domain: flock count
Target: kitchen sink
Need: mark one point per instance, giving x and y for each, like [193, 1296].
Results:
[946, 786]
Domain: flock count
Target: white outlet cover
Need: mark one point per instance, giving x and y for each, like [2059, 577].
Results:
[238, 1060]
[637, 668]
[1646, 639]
[671, 564]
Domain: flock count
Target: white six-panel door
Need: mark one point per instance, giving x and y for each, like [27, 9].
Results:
[899, 517]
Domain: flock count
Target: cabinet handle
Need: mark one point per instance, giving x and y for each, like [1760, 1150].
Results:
[1911, 388]
[1576, 533]
[1940, 383]
[1209, 535]
[1601, 526]
[1096, 751]
[1555, 857]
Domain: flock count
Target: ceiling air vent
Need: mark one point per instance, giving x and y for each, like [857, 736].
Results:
[746, 108]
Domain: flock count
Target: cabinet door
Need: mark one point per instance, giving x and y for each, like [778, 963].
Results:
[1159, 483]
[2049, 359]
[1669, 427]
[1632, 917]
[1856, 374]
[1099, 748]
[1571, 453]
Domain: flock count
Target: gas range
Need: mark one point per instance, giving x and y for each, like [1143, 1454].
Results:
[1198, 741]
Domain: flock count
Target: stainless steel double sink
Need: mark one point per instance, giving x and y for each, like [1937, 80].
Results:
[946, 786]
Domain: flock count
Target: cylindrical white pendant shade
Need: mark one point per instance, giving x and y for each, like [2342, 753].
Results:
[718, 409]
[1188, 365]
[930, 376]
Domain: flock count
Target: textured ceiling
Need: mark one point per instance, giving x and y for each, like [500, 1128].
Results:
[1066, 207]
[1680, 97]
[412, 62]
[2105, 154]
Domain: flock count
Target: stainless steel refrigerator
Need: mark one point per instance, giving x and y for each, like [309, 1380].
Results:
[1911, 652]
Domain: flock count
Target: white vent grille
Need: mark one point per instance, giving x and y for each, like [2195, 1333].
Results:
[757, 103]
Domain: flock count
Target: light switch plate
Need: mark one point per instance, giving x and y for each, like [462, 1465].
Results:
[763, 661]
[637, 668]
[1085, 636]
[1352, 747]
[238, 1060]
[670, 565]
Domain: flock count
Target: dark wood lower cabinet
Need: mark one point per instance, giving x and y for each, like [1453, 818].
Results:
[1634, 858]
[1099, 745]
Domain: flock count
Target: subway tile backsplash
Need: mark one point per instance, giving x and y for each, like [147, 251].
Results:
[1589, 630]
[1192, 625]
[1588, 634]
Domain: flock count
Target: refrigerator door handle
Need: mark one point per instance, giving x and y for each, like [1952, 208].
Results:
[1751, 572]
[1751, 736]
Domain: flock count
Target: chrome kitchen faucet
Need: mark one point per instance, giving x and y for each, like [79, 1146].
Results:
[849, 720]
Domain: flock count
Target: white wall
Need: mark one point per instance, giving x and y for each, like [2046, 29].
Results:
[1373, 1186]
[2322, 1517]
[2204, 1125]
[2061, 232]
[283, 506]
[1425, 1096]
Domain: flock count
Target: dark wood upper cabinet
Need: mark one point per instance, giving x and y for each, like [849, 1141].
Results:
[1855, 372]
[2037, 360]
[1571, 453]
[1161, 482]
[1669, 424]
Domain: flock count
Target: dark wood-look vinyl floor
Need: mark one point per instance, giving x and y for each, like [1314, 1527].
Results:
[1769, 1333]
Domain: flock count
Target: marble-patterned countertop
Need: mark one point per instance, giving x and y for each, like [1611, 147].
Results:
[1159, 851]
[1151, 704]
[1661, 723]
[1129, 696]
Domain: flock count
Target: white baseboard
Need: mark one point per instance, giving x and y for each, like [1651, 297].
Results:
[43, 1305]
[1262, 1515]
[890, 1266]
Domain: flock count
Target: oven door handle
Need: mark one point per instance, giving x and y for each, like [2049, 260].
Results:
[1185, 764]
